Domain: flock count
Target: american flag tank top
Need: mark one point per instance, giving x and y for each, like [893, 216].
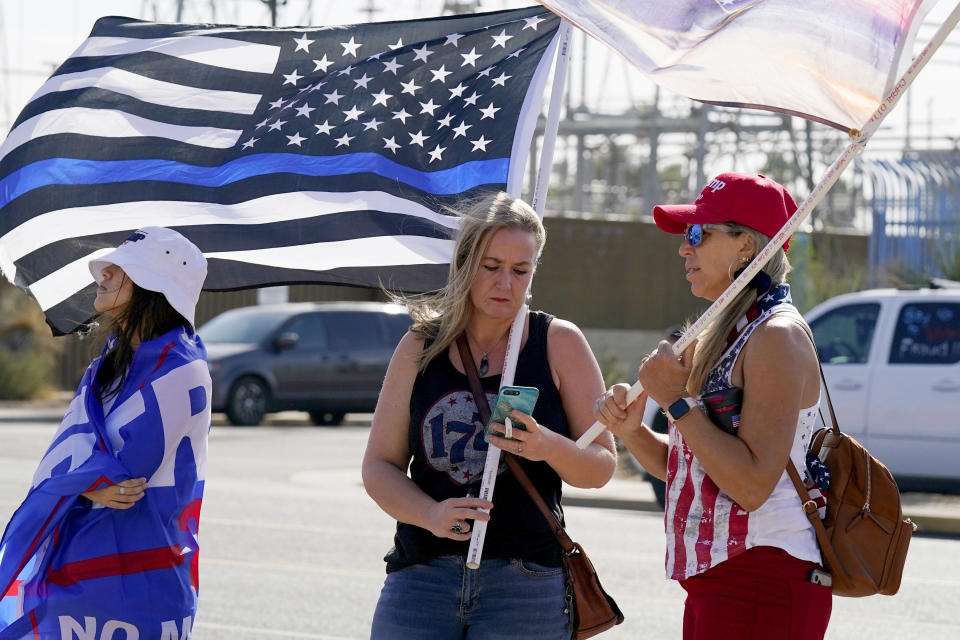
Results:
[703, 525]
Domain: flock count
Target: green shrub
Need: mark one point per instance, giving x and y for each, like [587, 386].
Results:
[27, 350]
[614, 369]
[23, 375]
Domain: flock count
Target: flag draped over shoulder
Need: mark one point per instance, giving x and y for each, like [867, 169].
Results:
[832, 61]
[69, 567]
[287, 155]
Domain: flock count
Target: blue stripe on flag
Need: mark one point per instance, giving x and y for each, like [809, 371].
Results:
[73, 172]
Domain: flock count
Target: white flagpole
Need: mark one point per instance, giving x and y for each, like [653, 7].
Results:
[492, 463]
[858, 144]
[553, 120]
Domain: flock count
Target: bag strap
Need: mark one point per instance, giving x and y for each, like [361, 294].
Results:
[835, 425]
[480, 399]
[809, 506]
[810, 510]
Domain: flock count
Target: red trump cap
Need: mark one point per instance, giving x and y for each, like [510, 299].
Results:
[753, 201]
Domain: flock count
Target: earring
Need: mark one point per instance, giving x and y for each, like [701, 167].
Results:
[730, 271]
[744, 260]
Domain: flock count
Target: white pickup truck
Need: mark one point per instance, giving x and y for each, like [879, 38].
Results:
[891, 358]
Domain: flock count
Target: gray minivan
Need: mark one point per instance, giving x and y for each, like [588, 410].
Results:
[326, 358]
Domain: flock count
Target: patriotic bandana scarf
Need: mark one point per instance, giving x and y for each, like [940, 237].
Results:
[70, 568]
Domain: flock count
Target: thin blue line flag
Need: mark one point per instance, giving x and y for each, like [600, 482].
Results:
[287, 155]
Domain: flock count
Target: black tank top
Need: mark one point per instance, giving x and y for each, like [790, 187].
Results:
[449, 450]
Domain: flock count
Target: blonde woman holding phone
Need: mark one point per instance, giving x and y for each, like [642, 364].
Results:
[426, 421]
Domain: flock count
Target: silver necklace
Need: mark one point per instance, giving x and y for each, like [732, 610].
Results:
[484, 363]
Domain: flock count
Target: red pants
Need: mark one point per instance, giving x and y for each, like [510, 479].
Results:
[761, 594]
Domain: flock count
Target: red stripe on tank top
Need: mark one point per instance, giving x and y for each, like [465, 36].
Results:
[670, 508]
[684, 500]
[705, 534]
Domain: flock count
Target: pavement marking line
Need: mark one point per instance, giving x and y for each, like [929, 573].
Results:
[602, 552]
[295, 528]
[260, 632]
[943, 582]
[295, 568]
[891, 620]
[308, 464]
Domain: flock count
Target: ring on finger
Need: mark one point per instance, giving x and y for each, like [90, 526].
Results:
[519, 447]
[123, 490]
[457, 526]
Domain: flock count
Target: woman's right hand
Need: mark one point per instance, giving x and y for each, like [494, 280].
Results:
[612, 410]
[122, 495]
[453, 514]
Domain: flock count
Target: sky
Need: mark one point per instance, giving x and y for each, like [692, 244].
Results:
[37, 35]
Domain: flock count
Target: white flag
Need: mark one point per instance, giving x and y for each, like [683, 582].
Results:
[832, 61]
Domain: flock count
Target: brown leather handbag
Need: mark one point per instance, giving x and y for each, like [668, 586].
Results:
[592, 610]
[863, 537]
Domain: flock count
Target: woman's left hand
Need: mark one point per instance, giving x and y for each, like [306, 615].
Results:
[529, 440]
[122, 495]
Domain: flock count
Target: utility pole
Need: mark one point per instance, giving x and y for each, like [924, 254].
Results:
[272, 5]
[652, 181]
[701, 152]
[455, 6]
[371, 10]
[579, 195]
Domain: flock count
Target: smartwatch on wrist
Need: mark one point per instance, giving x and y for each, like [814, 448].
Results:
[680, 408]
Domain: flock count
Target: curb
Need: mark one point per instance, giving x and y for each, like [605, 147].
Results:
[602, 502]
[935, 519]
[937, 525]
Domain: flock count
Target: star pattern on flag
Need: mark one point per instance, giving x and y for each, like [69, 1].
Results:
[295, 139]
[531, 23]
[350, 48]
[389, 143]
[303, 44]
[385, 124]
[425, 104]
[322, 64]
[480, 144]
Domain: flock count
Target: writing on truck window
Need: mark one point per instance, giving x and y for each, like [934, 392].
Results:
[927, 333]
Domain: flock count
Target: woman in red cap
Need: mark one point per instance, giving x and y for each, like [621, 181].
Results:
[737, 538]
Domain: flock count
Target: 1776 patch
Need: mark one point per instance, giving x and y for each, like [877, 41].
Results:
[452, 437]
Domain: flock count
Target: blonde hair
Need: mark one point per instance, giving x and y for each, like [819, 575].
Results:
[441, 316]
[713, 341]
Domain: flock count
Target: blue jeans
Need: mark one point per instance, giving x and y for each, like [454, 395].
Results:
[443, 600]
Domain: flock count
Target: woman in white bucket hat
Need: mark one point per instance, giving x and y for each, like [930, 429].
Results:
[107, 534]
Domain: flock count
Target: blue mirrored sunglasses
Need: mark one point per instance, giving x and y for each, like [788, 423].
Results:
[694, 232]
